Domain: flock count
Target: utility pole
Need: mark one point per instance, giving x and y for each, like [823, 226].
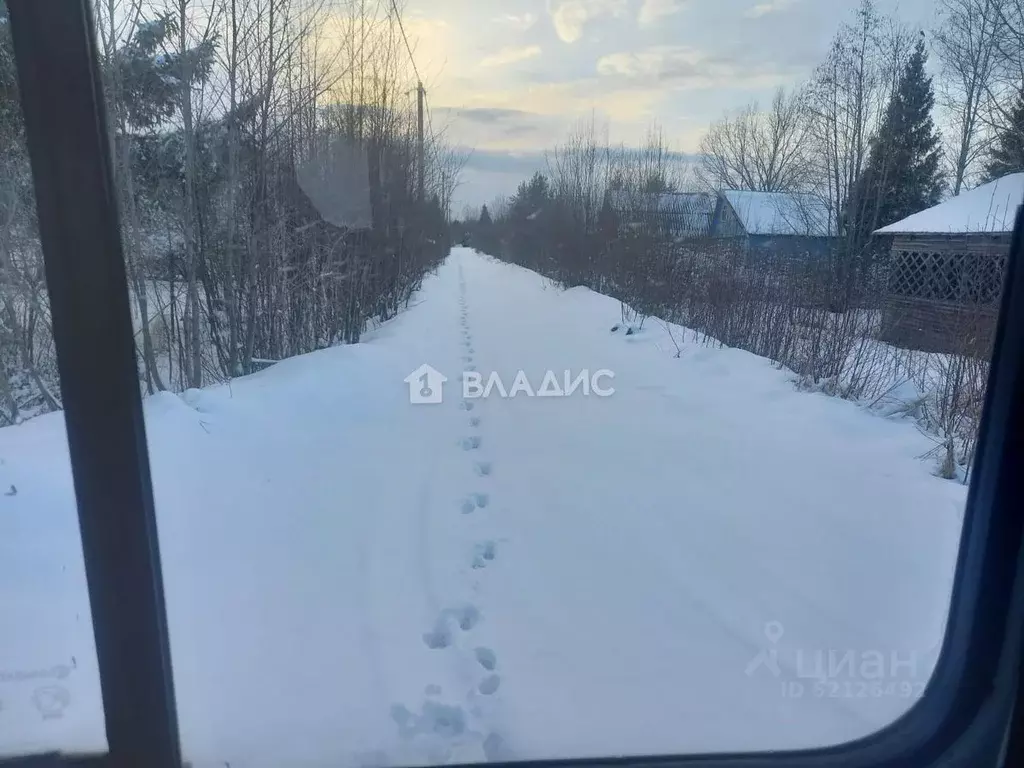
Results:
[419, 125]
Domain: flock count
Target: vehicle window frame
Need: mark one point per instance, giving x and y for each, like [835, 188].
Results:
[962, 719]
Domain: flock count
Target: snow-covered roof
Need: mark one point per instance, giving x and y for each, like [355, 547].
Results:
[990, 208]
[779, 213]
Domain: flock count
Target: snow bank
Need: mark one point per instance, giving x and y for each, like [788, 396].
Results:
[353, 580]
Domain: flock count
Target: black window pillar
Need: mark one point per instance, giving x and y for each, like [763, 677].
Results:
[68, 143]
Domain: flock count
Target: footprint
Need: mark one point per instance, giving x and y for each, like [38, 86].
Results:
[440, 719]
[466, 405]
[468, 617]
[481, 499]
[484, 555]
[486, 658]
[482, 468]
[471, 443]
[489, 685]
[440, 636]
[468, 506]
[495, 749]
[474, 421]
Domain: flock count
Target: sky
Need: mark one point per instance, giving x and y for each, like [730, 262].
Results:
[507, 79]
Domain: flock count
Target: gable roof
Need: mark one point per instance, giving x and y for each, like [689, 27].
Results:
[990, 208]
[779, 213]
[663, 202]
[686, 212]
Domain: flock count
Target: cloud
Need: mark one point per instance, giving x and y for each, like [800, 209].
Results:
[510, 56]
[770, 6]
[654, 10]
[571, 16]
[503, 128]
[490, 115]
[504, 161]
[520, 23]
[685, 67]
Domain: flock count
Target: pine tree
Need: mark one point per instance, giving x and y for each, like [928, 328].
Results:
[485, 217]
[1007, 155]
[531, 197]
[903, 173]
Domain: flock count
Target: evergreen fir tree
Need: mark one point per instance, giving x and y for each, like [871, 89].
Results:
[531, 197]
[485, 217]
[903, 173]
[1007, 155]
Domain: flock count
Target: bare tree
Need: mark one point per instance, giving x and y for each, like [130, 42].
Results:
[1008, 78]
[761, 150]
[847, 97]
[216, 109]
[968, 44]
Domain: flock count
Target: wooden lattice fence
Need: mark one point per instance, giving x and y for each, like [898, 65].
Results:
[943, 292]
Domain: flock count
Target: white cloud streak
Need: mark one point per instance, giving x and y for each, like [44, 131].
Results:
[520, 23]
[569, 17]
[770, 6]
[653, 11]
[508, 56]
[685, 67]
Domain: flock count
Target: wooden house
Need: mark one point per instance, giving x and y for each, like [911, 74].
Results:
[773, 223]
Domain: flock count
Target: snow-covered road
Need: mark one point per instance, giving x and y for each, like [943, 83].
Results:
[704, 560]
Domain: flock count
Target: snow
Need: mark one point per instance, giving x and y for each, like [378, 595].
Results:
[990, 208]
[353, 580]
[779, 213]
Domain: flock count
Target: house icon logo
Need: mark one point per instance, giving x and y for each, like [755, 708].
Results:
[425, 385]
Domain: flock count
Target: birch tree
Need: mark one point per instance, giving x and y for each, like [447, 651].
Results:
[967, 43]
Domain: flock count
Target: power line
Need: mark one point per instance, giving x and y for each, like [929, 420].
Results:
[419, 82]
[398, 15]
[430, 118]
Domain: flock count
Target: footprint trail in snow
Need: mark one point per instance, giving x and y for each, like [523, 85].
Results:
[443, 728]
